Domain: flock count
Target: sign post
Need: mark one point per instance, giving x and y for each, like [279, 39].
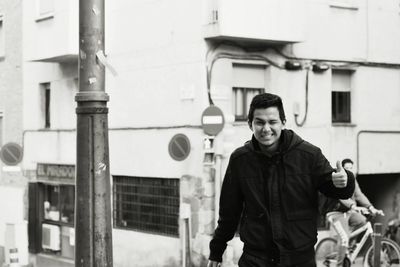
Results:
[93, 186]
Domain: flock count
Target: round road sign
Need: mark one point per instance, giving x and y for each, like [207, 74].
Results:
[212, 120]
[179, 147]
[11, 154]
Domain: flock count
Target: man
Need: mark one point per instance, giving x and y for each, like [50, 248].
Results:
[356, 219]
[271, 186]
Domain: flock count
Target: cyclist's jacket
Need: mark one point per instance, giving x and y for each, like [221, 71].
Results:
[274, 197]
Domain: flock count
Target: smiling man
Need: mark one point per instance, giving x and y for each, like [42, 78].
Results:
[271, 187]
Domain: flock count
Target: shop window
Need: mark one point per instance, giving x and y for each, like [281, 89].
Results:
[341, 96]
[241, 101]
[51, 219]
[146, 204]
[58, 203]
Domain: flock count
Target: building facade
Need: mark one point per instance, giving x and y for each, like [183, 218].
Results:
[13, 193]
[336, 65]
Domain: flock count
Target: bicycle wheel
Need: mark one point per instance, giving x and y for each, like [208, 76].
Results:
[390, 254]
[325, 251]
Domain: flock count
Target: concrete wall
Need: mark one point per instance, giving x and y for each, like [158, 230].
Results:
[11, 73]
[63, 84]
[351, 30]
[53, 35]
[158, 52]
[12, 182]
[165, 251]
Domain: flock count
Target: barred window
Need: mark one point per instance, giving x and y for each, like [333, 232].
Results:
[146, 204]
[341, 96]
[241, 101]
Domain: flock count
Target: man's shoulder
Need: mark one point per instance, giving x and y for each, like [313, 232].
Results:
[308, 147]
[239, 152]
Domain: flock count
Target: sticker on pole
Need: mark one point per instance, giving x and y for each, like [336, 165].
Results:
[11, 154]
[179, 147]
[212, 120]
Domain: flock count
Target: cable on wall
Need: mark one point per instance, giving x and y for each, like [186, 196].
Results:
[296, 116]
[226, 55]
[360, 63]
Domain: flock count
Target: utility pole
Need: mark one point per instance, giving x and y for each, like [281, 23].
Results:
[93, 246]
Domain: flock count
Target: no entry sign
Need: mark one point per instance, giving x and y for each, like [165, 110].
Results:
[212, 120]
[11, 154]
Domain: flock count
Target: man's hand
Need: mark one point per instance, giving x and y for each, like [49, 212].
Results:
[339, 178]
[213, 264]
[375, 212]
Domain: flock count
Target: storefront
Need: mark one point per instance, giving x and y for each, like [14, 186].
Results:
[51, 215]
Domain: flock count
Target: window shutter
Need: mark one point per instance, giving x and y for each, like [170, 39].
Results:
[34, 225]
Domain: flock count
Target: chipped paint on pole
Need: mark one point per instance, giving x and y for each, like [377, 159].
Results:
[93, 197]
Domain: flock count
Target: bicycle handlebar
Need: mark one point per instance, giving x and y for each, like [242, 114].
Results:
[366, 211]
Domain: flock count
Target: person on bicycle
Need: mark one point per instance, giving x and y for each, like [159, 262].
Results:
[359, 199]
[353, 207]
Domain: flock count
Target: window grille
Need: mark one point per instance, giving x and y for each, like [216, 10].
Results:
[146, 204]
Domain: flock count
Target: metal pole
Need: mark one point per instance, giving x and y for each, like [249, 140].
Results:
[377, 243]
[93, 204]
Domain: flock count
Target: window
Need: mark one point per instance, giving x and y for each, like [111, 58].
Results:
[248, 81]
[58, 203]
[241, 101]
[2, 41]
[341, 96]
[51, 210]
[51, 221]
[146, 204]
[46, 94]
[58, 220]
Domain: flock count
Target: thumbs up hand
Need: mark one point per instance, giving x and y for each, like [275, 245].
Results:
[339, 178]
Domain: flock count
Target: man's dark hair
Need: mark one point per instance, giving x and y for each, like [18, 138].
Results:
[266, 100]
[346, 161]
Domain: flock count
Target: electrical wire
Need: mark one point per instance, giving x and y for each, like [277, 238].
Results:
[300, 124]
[360, 63]
[225, 55]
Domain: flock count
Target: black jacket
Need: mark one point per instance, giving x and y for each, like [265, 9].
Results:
[274, 197]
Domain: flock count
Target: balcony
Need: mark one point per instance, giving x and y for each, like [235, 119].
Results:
[265, 21]
[52, 36]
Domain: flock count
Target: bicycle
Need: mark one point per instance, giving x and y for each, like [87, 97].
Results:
[326, 250]
[392, 230]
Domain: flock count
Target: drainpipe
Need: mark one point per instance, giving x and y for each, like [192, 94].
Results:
[217, 187]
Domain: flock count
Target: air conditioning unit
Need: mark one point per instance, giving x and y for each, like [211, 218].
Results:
[51, 237]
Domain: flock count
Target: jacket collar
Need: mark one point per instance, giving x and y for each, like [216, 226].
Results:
[287, 141]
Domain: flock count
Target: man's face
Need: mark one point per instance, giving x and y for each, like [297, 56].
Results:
[267, 127]
[348, 166]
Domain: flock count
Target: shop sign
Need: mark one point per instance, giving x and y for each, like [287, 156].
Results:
[55, 172]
